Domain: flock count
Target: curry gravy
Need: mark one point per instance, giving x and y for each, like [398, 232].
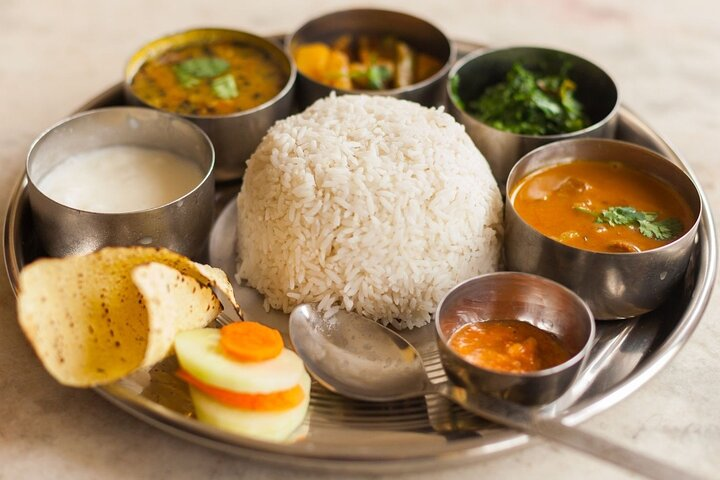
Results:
[508, 346]
[563, 202]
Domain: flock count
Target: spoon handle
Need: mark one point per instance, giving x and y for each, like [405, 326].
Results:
[521, 418]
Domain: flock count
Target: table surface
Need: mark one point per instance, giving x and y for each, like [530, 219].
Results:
[56, 55]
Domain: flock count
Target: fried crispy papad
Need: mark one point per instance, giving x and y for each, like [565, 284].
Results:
[93, 319]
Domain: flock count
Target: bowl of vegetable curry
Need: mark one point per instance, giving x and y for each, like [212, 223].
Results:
[613, 221]
[232, 84]
[373, 52]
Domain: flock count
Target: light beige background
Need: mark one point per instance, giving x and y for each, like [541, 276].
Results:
[56, 55]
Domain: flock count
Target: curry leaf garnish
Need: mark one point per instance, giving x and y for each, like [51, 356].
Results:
[646, 222]
[203, 67]
[528, 103]
[225, 87]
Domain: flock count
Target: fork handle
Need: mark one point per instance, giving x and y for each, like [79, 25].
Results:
[522, 418]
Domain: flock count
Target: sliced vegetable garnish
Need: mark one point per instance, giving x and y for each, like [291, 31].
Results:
[250, 341]
[225, 87]
[266, 402]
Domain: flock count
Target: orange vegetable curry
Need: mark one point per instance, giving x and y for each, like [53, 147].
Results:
[209, 79]
[365, 63]
[508, 346]
[602, 206]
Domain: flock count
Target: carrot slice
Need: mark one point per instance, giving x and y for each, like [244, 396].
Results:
[264, 402]
[250, 341]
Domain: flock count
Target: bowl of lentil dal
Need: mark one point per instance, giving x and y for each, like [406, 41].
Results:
[232, 84]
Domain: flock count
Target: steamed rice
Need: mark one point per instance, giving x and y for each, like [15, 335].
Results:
[370, 204]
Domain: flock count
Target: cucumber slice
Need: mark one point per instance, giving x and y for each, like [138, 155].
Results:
[269, 426]
[199, 353]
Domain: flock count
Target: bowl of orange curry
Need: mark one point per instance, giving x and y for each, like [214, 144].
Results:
[613, 221]
[234, 85]
[515, 335]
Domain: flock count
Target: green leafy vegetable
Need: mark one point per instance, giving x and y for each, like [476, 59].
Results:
[377, 75]
[203, 67]
[454, 92]
[527, 103]
[225, 87]
[646, 222]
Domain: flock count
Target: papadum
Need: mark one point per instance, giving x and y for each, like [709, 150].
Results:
[94, 319]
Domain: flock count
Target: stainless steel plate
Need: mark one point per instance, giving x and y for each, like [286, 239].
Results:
[346, 435]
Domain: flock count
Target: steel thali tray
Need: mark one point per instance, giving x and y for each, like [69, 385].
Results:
[346, 435]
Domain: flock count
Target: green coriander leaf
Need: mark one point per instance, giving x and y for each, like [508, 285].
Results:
[377, 76]
[225, 87]
[662, 230]
[646, 222]
[620, 216]
[185, 79]
[204, 67]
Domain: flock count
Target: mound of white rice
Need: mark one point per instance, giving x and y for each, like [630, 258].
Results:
[370, 204]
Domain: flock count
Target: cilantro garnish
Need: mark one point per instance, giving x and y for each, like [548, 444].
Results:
[192, 72]
[203, 67]
[225, 87]
[184, 78]
[377, 75]
[646, 222]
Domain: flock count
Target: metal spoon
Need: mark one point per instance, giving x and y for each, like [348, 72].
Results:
[361, 359]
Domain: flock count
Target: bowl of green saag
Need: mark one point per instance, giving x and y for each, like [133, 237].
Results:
[513, 100]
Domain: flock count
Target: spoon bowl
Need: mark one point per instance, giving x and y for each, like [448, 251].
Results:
[343, 351]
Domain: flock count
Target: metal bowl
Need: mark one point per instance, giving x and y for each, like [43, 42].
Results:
[516, 296]
[615, 285]
[420, 34]
[483, 68]
[236, 135]
[182, 225]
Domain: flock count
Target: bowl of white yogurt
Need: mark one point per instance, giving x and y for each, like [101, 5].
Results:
[122, 176]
